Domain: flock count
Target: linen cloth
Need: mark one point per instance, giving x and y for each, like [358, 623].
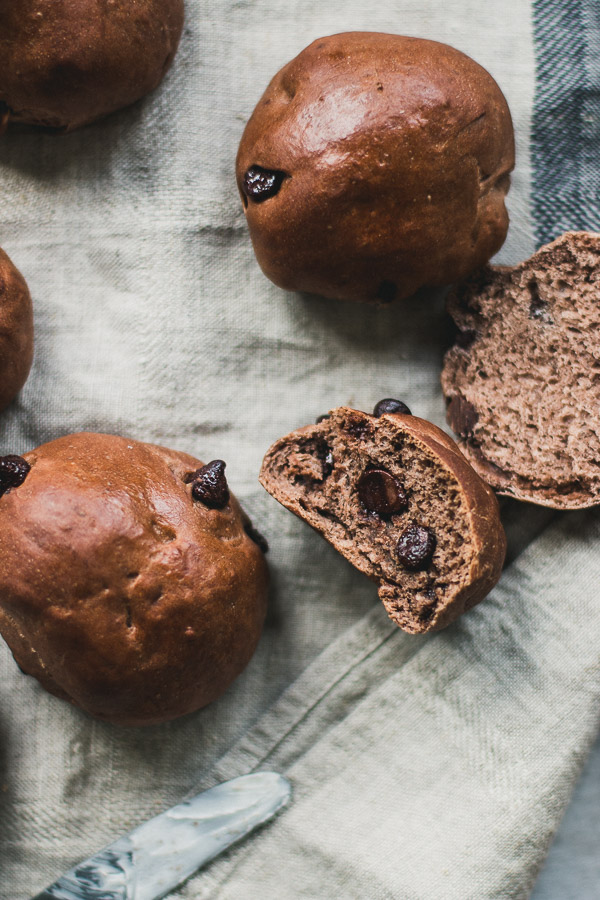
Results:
[423, 767]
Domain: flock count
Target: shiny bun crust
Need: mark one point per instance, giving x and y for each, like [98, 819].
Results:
[375, 165]
[119, 590]
[65, 64]
[16, 331]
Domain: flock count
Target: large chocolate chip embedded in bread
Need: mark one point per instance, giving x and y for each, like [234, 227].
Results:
[381, 493]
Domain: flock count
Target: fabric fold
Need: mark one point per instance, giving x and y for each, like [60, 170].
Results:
[423, 767]
[437, 770]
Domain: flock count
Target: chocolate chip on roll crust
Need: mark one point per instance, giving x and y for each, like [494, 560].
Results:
[16, 331]
[393, 157]
[209, 485]
[524, 396]
[13, 472]
[259, 184]
[381, 493]
[63, 65]
[401, 504]
[416, 547]
[389, 405]
[120, 593]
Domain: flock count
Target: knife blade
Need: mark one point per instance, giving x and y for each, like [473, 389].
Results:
[154, 858]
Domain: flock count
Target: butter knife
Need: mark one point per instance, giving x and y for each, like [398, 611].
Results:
[152, 860]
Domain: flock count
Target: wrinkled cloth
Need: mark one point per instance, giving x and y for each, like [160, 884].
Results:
[433, 767]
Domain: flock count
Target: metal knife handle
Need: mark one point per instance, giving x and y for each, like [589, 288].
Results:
[151, 861]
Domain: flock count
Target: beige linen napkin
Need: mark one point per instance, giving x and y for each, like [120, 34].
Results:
[420, 765]
[434, 767]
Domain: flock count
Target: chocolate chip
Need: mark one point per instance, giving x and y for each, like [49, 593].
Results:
[209, 485]
[381, 493]
[13, 472]
[255, 535]
[389, 405]
[415, 547]
[259, 184]
[322, 418]
[462, 416]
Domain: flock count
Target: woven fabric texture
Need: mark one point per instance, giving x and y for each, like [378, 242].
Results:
[431, 768]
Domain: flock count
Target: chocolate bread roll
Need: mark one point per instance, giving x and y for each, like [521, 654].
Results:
[375, 165]
[131, 582]
[64, 64]
[16, 331]
[522, 382]
[395, 496]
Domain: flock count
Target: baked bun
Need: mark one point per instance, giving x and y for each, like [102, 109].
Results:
[16, 331]
[396, 497]
[129, 582]
[65, 64]
[522, 382]
[375, 165]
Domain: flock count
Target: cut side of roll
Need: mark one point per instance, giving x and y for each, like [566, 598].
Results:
[394, 495]
[522, 381]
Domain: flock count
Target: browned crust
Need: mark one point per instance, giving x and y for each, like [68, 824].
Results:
[397, 153]
[16, 331]
[63, 65]
[120, 593]
[502, 480]
[485, 531]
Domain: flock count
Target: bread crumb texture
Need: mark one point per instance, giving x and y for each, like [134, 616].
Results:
[522, 381]
[371, 486]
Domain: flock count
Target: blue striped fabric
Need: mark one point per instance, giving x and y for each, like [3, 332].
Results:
[566, 121]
